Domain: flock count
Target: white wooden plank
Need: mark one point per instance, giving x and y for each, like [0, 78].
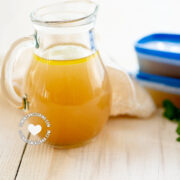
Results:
[127, 149]
[11, 146]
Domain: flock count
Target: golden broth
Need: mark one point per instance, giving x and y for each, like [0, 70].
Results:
[74, 94]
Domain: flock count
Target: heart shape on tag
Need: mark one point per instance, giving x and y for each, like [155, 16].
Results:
[34, 130]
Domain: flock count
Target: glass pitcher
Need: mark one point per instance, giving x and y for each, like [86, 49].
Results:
[66, 80]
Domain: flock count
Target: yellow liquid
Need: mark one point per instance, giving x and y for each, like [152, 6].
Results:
[74, 94]
[160, 96]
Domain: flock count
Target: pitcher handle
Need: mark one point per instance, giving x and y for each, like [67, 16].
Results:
[7, 69]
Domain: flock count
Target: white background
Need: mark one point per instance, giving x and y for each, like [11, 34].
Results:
[120, 23]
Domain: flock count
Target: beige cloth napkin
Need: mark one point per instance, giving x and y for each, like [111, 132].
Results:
[128, 97]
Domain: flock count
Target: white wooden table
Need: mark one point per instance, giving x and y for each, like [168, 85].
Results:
[127, 149]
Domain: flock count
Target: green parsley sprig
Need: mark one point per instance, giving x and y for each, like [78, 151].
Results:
[172, 113]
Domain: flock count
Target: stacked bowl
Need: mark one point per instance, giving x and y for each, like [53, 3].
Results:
[159, 66]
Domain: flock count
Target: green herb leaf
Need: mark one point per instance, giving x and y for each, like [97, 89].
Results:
[178, 115]
[178, 129]
[167, 103]
[172, 113]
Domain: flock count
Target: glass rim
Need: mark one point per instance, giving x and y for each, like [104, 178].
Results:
[86, 19]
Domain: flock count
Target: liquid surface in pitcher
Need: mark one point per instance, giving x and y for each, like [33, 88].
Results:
[68, 84]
